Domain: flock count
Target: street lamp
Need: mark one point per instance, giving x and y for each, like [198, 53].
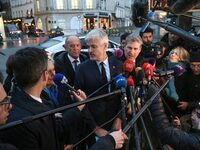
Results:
[2, 30]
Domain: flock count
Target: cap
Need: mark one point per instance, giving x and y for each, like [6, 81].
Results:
[195, 57]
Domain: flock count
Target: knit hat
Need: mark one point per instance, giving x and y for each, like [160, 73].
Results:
[195, 57]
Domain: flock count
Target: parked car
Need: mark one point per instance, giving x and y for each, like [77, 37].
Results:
[55, 32]
[12, 31]
[36, 32]
[55, 45]
[1, 38]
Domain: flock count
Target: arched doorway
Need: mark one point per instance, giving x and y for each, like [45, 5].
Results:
[76, 23]
[39, 24]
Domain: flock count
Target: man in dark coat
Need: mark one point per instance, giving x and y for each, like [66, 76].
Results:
[191, 97]
[94, 73]
[170, 135]
[30, 71]
[67, 61]
[5, 107]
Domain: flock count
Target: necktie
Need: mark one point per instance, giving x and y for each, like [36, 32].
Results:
[75, 64]
[104, 78]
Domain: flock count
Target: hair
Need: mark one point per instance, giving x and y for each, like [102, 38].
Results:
[98, 34]
[9, 65]
[134, 38]
[68, 37]
[123, 36]
[182, 53]
[147, 30]
[194, 56]
[28, 66]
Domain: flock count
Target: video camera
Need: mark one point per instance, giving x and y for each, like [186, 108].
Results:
[153, 49]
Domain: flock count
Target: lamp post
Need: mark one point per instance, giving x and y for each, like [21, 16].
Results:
[2, 30]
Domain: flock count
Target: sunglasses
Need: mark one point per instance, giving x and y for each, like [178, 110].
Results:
[6, 102]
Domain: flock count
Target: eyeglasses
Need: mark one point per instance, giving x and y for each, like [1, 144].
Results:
[6, 103]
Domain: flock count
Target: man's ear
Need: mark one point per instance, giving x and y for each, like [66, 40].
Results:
[106, 46]
[45, 76]
[64, 46]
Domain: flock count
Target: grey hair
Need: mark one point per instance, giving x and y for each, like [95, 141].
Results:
[98, 34]
[68, 37]
[134, 38]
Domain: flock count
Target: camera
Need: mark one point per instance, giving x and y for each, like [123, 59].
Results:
[154, 49]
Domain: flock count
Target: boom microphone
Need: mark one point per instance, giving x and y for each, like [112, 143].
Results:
[178, 31]
[182, 6]
[139, 11]
[60, 80]
[176, 70]
[163, 73]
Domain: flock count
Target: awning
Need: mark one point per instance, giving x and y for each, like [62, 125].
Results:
[103, 15]
[90, 16]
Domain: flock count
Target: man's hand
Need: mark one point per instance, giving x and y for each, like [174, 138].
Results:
[100, 132]
[183, 105]
[119, 138]
[117, 125]
[80, 97]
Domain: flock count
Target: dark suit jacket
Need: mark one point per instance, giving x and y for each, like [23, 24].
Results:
[40, 134]
[88, 78]
[64, 66]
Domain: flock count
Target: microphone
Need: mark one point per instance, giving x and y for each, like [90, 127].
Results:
[128, 66]
[120, 82]
[150, 15]
[163, 73]
[140, 77]
[118, 53]
[176, 70]
[182, 6]
[60, 80]
[148, 70]
[130, 81]
[139, 11]
[178, 31]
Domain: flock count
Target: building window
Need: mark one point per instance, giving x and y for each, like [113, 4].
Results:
[59, 4]
[88, 4]
[38, 5]
[74, 4]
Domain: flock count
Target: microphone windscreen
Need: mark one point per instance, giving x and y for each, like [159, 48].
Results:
[148, 70]
[130, 81]
[128, 65]
[120, 82]
[139, 10]
[118, 53]
[59, 79]
[178, 70]
[182, 6]
[140, 77]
